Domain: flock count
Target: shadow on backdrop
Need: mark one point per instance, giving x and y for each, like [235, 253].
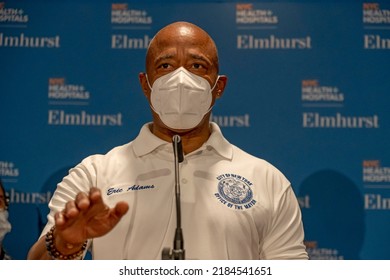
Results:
[335, 221]
[50, 185]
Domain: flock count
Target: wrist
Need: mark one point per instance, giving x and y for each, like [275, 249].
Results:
[62, 250]
[64, 247]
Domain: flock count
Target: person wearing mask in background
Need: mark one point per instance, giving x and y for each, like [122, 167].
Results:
[121, 205]
[5, 226]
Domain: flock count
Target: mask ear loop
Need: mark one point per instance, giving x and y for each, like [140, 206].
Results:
[215, 84]
[151, 89]
[211, 92]
[147, 80]
[216, 81]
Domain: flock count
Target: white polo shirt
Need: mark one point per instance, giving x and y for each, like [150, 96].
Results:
[234, 205]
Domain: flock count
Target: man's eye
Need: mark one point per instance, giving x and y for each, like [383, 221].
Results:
[197, 66]
[165, 65]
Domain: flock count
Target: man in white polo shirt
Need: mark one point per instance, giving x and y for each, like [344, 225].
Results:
[121, 205]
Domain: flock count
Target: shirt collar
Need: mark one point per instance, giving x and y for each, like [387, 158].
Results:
[219, 143]
[146, 142]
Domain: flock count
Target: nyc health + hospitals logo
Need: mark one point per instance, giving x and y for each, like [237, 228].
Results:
[313, 92]
[65, 98]
[373, 13]
[59, 91]
[8, 170]
[234, 191]
[11, 15]
[131, 27]
[246, 13]
[376, 180]
[376, 19]
[315, 95]
[252, 19]
[12, 20]
[122, 14]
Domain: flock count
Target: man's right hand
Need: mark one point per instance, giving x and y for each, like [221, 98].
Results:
[84, 218]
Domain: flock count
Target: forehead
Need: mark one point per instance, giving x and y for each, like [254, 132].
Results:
[178, 35]
[182, 41]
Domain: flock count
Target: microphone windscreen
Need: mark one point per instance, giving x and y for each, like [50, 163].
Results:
[176, 139]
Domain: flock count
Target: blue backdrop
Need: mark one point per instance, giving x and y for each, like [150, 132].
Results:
[308, 90]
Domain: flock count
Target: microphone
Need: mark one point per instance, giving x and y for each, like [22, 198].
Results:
[178, 252]
[177, 148]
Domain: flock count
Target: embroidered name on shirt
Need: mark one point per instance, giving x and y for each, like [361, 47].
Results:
[234, 191]
[112, 191]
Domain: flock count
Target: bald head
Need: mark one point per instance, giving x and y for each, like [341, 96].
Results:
[181, 34]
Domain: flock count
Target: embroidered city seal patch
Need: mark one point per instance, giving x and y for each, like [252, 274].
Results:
[235, 191]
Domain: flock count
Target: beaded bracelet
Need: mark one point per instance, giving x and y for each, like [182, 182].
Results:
[55, 254]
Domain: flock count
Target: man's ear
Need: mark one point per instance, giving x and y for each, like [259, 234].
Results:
[221, 84]
[144, 83]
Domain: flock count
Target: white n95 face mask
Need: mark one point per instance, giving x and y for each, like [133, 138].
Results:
[181, 99]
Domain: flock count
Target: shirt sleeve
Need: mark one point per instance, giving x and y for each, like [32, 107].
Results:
[284, 239]
[79, 179]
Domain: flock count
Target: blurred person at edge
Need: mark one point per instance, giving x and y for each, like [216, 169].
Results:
[121, 205]
[5, 226]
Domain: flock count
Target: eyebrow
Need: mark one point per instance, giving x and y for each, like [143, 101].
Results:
[201, 57]
[192, 55]
[163, 57]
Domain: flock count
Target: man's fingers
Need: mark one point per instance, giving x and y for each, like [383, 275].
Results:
[121, 208]
[59, 219]
[70, 210]
[95, 196]
[82, 201]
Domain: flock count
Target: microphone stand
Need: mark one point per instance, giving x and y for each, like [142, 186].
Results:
[178, 252]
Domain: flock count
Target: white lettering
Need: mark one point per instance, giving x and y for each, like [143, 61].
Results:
[250, 42]
[124, 42]
[29, 198]
[232, 121]
[376, 202]
[23, 41]
[315, 120]
[60, 117]
[376, 42]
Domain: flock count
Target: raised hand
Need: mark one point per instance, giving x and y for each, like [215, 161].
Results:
[84, 218]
